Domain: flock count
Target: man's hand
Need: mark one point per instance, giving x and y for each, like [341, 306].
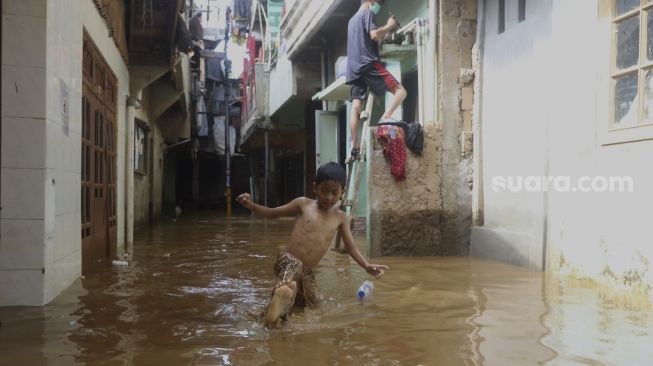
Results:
[392, 23]
[376, 270]
[244, 199]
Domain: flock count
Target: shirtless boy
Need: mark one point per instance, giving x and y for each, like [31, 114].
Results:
[316, 224]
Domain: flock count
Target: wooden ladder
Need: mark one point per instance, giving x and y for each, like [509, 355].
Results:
[355, 165]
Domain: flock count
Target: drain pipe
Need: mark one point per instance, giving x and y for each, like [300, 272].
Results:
[323, 70]
[267, 167]
[432, 56]
[129, 175]
[420, 69]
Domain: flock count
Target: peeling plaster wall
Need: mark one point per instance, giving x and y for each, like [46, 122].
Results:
[149, 186]
[553, 122]
[404, 216]
[457, 35]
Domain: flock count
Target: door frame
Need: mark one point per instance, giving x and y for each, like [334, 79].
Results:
[98, 156]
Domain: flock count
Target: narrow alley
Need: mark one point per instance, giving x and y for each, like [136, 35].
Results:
[194, 289]
[174, 171]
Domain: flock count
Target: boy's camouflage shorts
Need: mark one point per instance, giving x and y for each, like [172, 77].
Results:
[288, 268]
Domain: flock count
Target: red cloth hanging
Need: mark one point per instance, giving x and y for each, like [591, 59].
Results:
[393, 141]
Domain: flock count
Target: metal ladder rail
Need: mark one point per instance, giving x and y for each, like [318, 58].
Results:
[355, 164]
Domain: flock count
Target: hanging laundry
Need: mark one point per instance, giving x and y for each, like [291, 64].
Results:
[251, 48]
[195, 27]
[239, 33]
[219, 137]
[217, 99]
[242, 9]
[393, 142]
[214, 70]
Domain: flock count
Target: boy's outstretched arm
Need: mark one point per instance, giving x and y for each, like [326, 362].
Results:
[376, 270]
[293, 208]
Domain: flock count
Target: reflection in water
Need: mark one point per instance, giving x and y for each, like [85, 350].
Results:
[596, 327]
[195, 288]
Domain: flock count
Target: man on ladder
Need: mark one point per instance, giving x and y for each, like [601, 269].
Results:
[364, 70]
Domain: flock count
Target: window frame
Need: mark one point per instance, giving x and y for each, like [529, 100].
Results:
[639, 69]
[610, 134]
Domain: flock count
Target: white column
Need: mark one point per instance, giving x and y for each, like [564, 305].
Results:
[129, 175]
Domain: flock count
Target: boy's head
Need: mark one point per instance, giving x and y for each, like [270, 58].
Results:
[329, 184]
[331, 172]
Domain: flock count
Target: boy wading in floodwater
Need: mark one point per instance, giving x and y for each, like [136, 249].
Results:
[316, 224]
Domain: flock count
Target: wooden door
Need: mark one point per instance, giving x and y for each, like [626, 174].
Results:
[98, 158]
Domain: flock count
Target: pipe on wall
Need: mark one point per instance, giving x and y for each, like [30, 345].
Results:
[432, 56]
[420, 69]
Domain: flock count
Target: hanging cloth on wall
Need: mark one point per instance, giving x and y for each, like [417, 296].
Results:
[392, 140]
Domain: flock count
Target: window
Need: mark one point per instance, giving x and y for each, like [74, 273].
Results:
[141, 147]
[631, 90]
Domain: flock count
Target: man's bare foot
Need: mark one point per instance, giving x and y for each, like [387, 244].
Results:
[280, 300]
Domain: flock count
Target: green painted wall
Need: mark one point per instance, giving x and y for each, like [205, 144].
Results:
[404, 10]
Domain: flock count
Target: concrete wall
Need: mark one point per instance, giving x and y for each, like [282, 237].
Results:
[456, 37]
[302, 20]
[404, 216]
[283, 84]
[544, 113]
[40, 252]
[148, 185]
[515, 104]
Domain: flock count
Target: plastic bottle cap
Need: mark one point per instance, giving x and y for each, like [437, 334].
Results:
[361, 294]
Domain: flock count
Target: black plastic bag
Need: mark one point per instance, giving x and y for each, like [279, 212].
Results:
[413, 132]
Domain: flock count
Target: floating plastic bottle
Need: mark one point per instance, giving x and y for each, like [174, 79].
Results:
[365, 290]
[120, 263]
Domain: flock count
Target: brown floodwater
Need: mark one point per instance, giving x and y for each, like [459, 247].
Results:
[194, 289]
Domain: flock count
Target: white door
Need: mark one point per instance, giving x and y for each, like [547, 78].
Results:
[326, 137]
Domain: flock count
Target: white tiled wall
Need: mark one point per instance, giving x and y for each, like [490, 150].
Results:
[34, 8]
[23, 174]
[24, 35]
[64, 65]
[22, 193]
[23, 91]
[22, 244]
[21, 287]
[15, 152]
[40, 251]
